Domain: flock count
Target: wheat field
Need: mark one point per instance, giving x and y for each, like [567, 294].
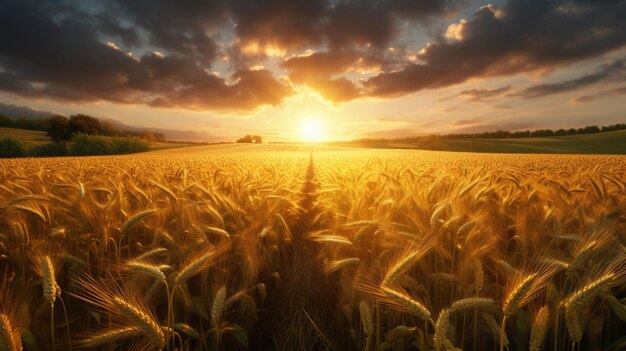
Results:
[283, 247]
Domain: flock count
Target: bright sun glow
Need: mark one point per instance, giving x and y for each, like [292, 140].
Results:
[312, 130]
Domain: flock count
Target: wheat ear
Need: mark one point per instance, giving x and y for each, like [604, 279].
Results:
[406, 303]
[539, 329]
[50, 287]
[110, 336]
[218, 305]
[443, 321]
[9, 340]
[367, 320]
[147, 269]
[143, 321]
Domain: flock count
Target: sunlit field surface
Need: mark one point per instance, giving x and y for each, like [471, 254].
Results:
[293, 247]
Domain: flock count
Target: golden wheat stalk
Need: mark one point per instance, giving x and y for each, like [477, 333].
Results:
[539, 329]
[136, 218]
[405, 302]
[124, 308]
[518, 295]
[109, 337]
[151, 253]
[200, 263]
[218, 306]
[443, 321]
[367, 319]
[411, 256]
[144, 322]
[147, 269]
[10, 339]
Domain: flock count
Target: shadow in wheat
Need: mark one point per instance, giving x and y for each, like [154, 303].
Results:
[305, 304]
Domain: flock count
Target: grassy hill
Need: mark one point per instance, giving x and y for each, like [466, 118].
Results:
[32, 138]
[600, 143]
[28, 137]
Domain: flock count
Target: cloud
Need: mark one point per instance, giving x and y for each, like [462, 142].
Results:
[70, 63]
[486, 126]
[615, 71]
[518, 37]
[464, 122]
[480, 94]
[176, 82]
[179, 27]
[81, 51]
[607, 93]
[297, 24]
[323, 71]
[286, 24]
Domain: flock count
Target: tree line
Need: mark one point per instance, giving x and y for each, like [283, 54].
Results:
[78, 135]
[61, 129]
[80, 145]
[502, 134]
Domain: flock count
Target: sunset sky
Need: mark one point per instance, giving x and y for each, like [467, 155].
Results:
[219, 69]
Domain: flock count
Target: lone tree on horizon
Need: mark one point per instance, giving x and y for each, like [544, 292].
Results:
[251, 139]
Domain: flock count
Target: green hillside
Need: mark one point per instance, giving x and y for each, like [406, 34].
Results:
[32, 138]
[28, 137]
[600, 143]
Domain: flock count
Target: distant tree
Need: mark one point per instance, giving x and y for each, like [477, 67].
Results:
[6, 122]
[520, 134]
[121, 146]
[571, 131]
[560, 132]
[10, 148]
[89, 145]
[257, 139]
[49, 150]
[58, 129]
[246, 139]
[149, 135]
[614, 127]
[84, 124]
[108, 128]
[94, 145]
[500, 134]
[542, 133]
[30, 124]
[591, 130]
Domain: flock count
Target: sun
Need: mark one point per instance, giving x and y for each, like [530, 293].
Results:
[312, 130]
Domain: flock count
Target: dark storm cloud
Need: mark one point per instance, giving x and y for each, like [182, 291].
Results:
[422, 8]
[293, 24]
[180, 27]
[79, 50]
[61, 57]
[615, 71]
[177, 82]
[60, 49]
[320, 71]
[289, 24]
[520, 36]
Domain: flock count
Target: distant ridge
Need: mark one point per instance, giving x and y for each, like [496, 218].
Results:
[14, 111]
